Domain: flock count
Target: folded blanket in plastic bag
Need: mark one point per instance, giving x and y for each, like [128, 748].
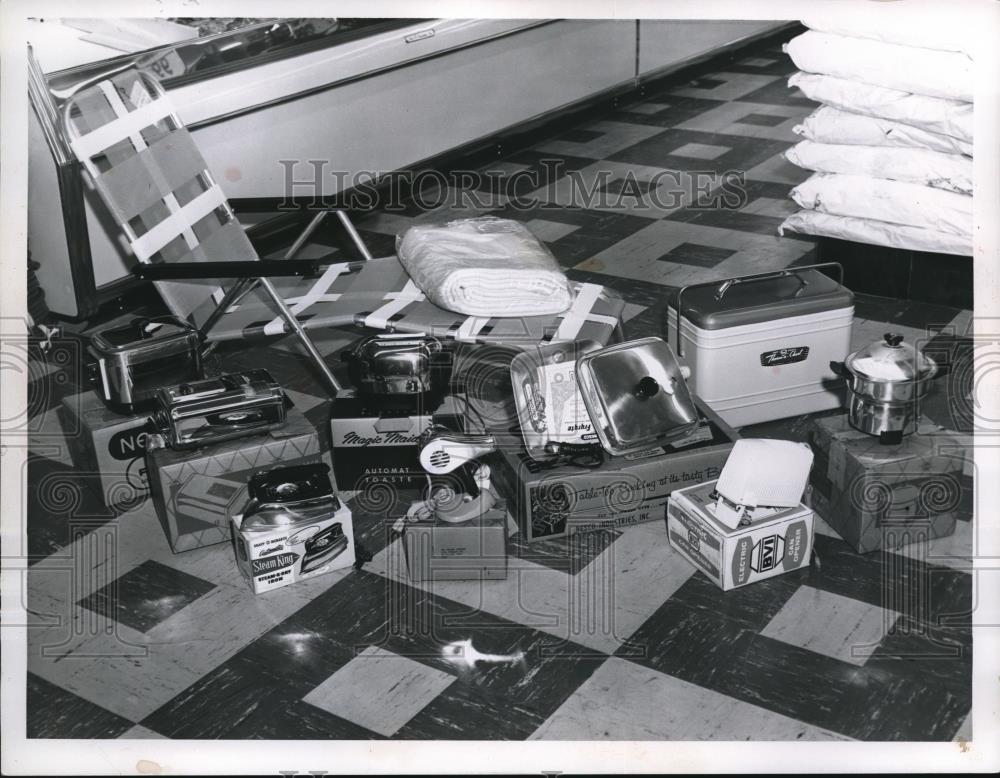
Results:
[831, 125]
[916, 166]
[936, 114]
[911, 69]
[484, 266]
[945, 31]
[887, 201]
[876, 232]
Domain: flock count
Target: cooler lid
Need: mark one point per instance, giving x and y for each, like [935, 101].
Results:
[144, 332]
[756, 300]
[636, 395]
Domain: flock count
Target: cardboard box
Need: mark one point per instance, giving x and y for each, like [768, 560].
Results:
[878, 496]
[550, 502]
[279, 556]
[109, 444]
[776, 541]
[197, 491]
[474, 550]
[374, 445]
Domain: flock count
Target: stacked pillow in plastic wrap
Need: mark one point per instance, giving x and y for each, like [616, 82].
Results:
[891, 143]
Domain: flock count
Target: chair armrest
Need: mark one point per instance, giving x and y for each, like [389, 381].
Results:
[263, 268]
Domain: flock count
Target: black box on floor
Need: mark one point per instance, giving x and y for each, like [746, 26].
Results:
[550, 502]
[375, 443]
[196, 491]
[878, 496]
[110, 444]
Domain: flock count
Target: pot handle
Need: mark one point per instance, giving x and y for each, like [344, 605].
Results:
[839, 368]
[723, 287]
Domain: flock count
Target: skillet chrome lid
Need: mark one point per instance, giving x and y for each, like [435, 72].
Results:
[636, 395]
[889, 360]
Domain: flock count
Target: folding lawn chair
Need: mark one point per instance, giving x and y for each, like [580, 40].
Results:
[149, 173]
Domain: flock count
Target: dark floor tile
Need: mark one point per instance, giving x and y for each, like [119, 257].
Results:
[737, 221]
[930, 594]
[762, 119]
[697, 255]
[627, 186]
[368, 610]
[147, 595]
[941, 279]
[866, 703]
[462, 712]
[751, 607]
[580, 135]
[680, 109]
[632, 290]
[52, 712]
[918, 652]
[742, 153]
[569, 554]
[237, 702]
[61, 503]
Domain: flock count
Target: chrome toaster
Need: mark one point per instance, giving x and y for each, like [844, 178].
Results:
[127, 364]
[229, 406]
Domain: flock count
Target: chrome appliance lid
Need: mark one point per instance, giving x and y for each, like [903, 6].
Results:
[636, 395]
[890, 359]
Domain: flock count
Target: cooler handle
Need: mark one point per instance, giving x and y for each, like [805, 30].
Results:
[725, 285]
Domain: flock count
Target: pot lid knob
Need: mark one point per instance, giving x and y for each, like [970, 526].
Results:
[647, 387]
[893, 339]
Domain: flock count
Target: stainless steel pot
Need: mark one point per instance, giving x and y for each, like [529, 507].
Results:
[885, 381]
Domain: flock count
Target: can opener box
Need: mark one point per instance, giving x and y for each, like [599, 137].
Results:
[436, 550]
[551, 502]
[777, 540]
[278, 557]
[109, 444]
[196, 491]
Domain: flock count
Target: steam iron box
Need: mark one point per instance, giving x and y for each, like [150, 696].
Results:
[773, 541]
[293, 527]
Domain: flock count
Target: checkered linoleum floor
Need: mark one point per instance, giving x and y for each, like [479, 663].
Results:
[620, 638]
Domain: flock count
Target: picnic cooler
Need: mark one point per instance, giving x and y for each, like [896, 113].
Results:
[760, 346]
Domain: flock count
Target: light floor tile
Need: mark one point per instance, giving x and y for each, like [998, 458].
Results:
[673, 190]
[550, 231]
[778, 170]
[139, 732]
[831, 624]
[965, 731]
[734, 86]
[599, 607]
[725, 118]
[757, 62]
[632, 310]
[770, 206]
[700, 150]
[304, 402]
[379, 690]
[956, 551]
[625, 701]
